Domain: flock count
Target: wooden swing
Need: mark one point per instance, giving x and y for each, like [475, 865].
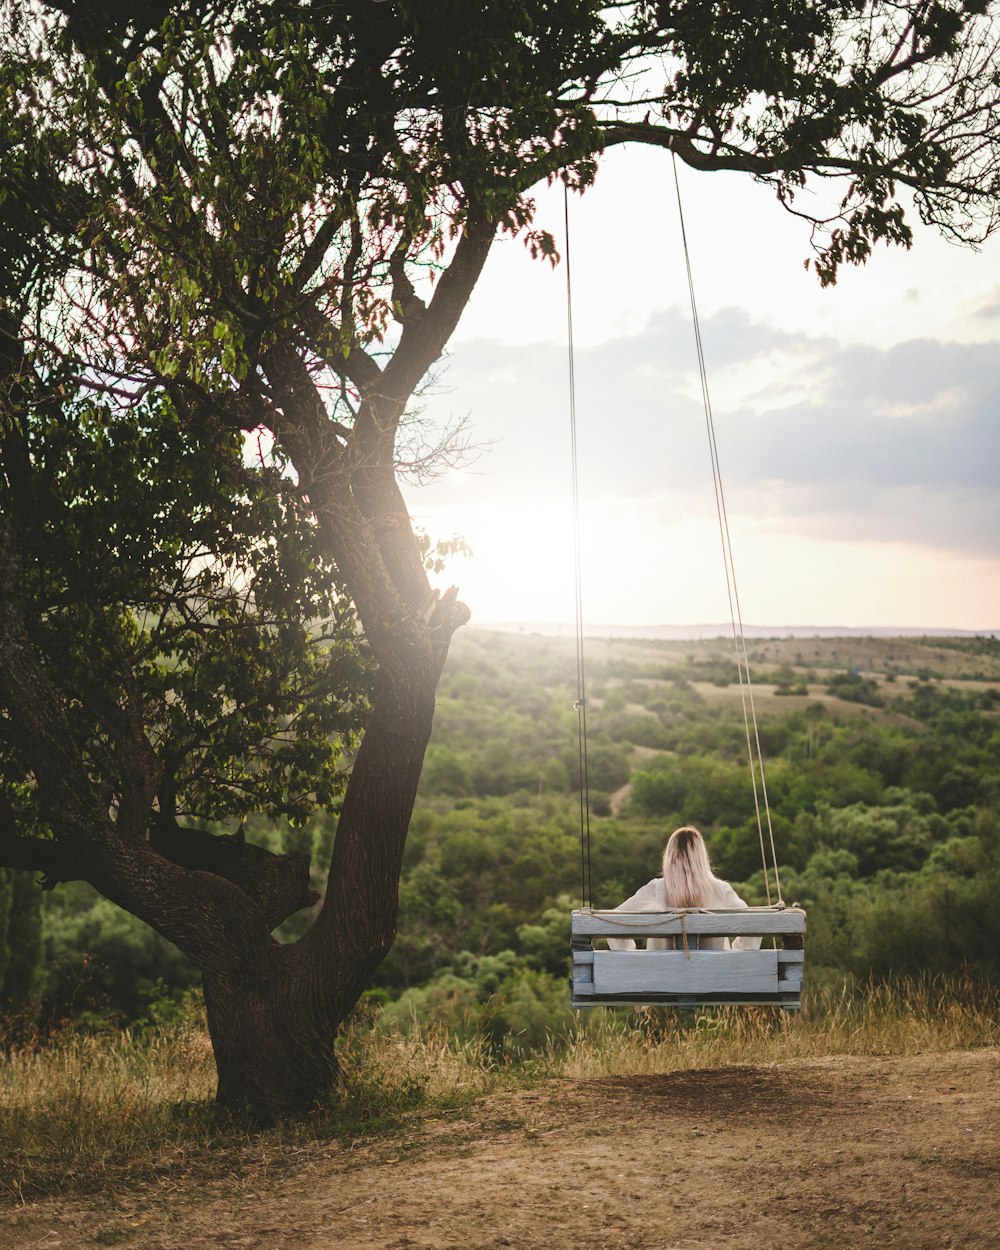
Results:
[685, 965]
[688, 975]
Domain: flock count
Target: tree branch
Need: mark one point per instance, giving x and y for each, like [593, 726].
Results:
[424, 338]
[278, 885]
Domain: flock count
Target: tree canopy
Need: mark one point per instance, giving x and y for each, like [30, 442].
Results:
[198, 639]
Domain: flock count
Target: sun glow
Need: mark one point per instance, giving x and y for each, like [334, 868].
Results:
[831, 523]
[637, 567]
[641, 565]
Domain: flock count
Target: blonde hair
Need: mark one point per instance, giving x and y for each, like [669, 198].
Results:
[687, 870]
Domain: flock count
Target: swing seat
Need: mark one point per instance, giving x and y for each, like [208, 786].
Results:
[689, 975]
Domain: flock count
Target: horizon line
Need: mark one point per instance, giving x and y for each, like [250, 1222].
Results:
[709, 629]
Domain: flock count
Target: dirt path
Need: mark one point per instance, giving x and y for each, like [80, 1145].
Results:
[853, 1153]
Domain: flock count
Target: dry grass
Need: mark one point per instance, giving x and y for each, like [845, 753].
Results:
[113, 1110]
[85, 1110]
[907, 1017]
[85, 1104]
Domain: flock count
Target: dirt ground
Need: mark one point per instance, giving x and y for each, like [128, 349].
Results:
[840, 1152]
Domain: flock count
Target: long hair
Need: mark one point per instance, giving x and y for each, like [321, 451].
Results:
[687, 870]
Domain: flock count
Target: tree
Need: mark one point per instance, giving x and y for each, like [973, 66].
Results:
[176, 646]
[265, 220]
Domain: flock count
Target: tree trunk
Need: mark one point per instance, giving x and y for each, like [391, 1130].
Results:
[273, 1039]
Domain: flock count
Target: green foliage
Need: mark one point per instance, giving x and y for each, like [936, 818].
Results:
[283, 153]
[100, 961]
[190, 591]
[544, 943]
[320, 163]
[855, 688]
[885, 828]
[693, 790]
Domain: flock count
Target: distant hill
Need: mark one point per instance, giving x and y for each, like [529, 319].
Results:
[682, 633]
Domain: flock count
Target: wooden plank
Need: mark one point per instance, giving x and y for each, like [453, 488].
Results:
[674, 972]
[583, 971]
[745, 921]
[583, 994]
[736, 921]
[788, 1002]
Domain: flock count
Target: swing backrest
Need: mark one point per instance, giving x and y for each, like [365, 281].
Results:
[687, 974]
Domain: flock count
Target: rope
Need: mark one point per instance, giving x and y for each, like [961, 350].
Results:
[754, 752]
[580, 705]
[624, 919]
[684, 935]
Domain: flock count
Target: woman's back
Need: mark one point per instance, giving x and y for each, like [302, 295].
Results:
[687, 882]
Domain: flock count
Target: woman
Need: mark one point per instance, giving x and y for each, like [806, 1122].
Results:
[687, 882]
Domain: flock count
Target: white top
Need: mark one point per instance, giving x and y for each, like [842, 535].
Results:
[653, 897]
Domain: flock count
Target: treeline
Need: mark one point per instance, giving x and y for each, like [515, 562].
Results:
[884, 792]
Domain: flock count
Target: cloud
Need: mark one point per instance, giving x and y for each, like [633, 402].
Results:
[990, 307]
[904, 444]
[898, 444]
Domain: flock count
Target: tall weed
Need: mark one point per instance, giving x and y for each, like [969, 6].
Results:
[902, 1017]
[78, 1101]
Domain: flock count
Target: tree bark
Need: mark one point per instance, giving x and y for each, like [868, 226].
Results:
[272, 1037]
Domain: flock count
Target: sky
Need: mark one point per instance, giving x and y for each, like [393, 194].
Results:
[858, 428]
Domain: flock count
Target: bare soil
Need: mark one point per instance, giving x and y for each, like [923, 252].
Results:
[841, 1152]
